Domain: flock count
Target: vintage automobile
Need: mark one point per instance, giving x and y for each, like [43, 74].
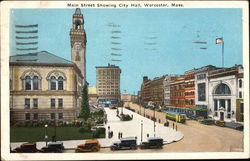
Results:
[89, 146]
[26, 148]
[152, 143]
[125, 143]
[53, 147]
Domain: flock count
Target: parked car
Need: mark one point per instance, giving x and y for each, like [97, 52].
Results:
[152, 143]
[53, 147]
[125, 143]
[89, 146]
[26, 148]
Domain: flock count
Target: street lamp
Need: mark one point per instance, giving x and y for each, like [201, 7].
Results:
[154, 119]
[46, 133]
[141, 129]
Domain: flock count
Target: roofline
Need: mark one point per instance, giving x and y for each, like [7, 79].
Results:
[108, 67]
[48, 65]
[41, 52]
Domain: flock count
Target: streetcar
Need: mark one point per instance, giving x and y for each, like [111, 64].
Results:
[175, 116]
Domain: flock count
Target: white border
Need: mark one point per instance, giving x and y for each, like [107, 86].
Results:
[6, 155]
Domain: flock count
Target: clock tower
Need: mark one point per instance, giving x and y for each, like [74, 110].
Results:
[78, 43]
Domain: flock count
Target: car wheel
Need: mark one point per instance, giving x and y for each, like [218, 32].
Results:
[94, 149]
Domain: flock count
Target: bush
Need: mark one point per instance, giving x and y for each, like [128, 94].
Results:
[125, 118]
[85, 128]
[99, 131]
[99, 121]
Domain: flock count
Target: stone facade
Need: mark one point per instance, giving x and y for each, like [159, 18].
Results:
[224, 91]
[35, 104]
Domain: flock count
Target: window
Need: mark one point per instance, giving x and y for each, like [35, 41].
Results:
[52, 103]
[35, 103]
[240, 94]
[53, 83]
[201, 76]
[223, 89]
[201, 92]
[27, 103]
[240, 83]
[56, 83]
[60, 83]
[215, 105]
[228, 105]
[27, 83]
[35, 116]
[216, 114]
[60, 103]
[222, 103]
[35, 83]
[60, 116]
[27, 116]
[32, 83]
[52, 116]
[242, 108]
[229, 116]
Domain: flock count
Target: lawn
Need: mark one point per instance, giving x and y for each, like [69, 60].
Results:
[34, 134]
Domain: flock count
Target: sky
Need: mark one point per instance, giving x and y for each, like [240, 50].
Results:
[149, 42]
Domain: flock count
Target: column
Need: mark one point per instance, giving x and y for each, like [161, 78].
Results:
[226, 105]
[218, 104]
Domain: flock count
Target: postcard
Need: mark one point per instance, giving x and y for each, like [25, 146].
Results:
[94, 80]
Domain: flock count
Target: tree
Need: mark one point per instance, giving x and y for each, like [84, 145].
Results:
[85, 111]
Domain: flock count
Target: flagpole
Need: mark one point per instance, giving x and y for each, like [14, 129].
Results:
[222, 53]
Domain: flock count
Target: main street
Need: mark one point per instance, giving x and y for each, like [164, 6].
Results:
[197, 137]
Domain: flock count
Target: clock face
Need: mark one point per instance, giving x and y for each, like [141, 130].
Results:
[78, 47]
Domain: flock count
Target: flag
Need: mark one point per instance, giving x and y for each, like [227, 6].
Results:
[219, 40]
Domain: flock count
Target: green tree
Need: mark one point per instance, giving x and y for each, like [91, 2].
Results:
[85, 111]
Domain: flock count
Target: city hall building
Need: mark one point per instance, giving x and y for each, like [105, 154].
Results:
[45, 87]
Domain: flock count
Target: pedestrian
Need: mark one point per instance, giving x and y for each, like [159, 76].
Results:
[173, 125]
[111, 134]
[176, 128]
[147, 135]
[121, 134]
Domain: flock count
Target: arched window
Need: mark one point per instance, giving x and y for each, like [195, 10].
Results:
[60, 83]
[35, 83]
[240, 83]
[53, 83]
[223, 89]
[27, 83]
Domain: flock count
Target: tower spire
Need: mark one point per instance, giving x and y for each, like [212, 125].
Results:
[78, 42]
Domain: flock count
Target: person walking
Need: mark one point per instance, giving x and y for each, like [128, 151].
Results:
[173, 125]
[176, 128]
[121, 134]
